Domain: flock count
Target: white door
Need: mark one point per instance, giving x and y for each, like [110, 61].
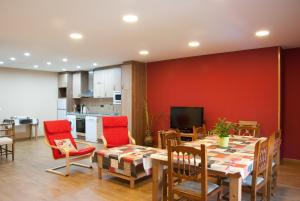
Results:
[72, 119]
[91, 129]
[109, 83]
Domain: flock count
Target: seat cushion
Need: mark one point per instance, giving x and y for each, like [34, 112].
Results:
[80, 152]
[247, 181]
[5, 140]
[195, 187]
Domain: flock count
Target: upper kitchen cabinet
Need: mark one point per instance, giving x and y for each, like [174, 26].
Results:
[106, 81]
[80, 83]
[63, 80]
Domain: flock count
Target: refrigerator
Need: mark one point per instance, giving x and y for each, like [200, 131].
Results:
[62, 108]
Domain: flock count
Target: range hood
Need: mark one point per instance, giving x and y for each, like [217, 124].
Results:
[89, 92]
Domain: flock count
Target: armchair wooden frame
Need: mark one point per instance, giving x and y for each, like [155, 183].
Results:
[131, 140]
[70, 160]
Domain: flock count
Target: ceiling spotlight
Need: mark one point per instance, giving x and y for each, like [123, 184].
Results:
[130, 18]
[76, 36]
[194, 44]
[144, 52]
[27, 54]
[63, 69]
[64, 59]
[95, 64]
[35, 66]
[1, 62]
[12, 58]
[262, 33]
[78, 67]
[49, 63]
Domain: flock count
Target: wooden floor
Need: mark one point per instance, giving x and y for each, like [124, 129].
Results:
[26, 179]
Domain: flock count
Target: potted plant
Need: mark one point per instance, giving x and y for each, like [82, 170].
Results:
[223, 129]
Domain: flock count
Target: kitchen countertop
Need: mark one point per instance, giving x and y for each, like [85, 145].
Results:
[77, 114]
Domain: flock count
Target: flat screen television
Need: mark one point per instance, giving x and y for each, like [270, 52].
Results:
[184, 118]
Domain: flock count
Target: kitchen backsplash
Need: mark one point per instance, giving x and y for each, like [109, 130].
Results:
[100, 105]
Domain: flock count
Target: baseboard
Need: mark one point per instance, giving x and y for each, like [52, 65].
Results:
[290, 160]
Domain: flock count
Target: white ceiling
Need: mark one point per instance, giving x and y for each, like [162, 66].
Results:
[42, 27]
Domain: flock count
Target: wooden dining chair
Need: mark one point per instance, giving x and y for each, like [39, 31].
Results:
[275, 160]
[7, 139]
[163, 138]
[259, 177]
[199, 132]
[248, 128]
[184, 164]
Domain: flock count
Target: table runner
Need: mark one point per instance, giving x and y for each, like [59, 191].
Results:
[238, 157]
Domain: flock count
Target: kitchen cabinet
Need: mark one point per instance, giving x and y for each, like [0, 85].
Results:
[106, 81]
[72, 120]
[80, 83]
[62, 80]
[93, 128]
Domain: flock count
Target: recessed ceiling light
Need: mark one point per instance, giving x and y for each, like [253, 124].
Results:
[12, 58]
[194, 44]
[63, 69]
[49, 63]
[76, 36]
[27, 54]
[1, 62]
[95, 64]
[130, 18]
[78, 67]
[64, 59]
[262, 33]
[35, 66]
[144, 52]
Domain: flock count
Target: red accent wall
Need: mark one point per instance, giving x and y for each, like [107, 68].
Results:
[238, 85]
[291, 134]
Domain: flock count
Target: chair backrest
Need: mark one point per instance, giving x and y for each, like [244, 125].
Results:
[187, 163]
[115, 130]
[277, 145]
[199, 132]
[173, 138]
[58, 130]
[163, 135]
[248, 128]
[261, 160]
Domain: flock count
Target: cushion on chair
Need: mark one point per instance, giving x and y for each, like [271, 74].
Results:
[5, 140]
[195, 187]
[80, 152]
[65, 144]
[248, 181]
[115, 130]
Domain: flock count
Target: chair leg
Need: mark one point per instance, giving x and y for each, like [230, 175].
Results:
[253, 195]
[99, 172]
[67, 166]
[13, 151]
[165, 185]
[6, 150]
[1, 150]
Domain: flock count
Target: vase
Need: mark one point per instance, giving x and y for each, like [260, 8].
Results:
[148, 140]
[223, 142]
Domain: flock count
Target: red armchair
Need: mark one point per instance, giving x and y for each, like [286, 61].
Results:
[115, 131]
[57, 132]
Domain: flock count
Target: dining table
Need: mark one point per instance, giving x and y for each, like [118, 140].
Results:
[235, 162]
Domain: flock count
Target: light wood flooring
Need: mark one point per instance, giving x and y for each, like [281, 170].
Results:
[25, 179]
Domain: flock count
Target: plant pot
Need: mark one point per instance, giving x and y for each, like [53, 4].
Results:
[148, 140]
[223, 142]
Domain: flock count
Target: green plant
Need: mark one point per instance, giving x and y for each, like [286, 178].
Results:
[223, 128]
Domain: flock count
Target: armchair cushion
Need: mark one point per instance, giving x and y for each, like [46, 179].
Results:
[115, 130]
[65, 144]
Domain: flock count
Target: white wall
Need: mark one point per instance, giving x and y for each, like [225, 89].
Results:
[29, 93]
